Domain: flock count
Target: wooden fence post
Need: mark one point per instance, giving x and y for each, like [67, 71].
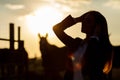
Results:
[11, 36]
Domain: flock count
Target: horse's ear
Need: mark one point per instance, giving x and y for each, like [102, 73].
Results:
[46, 35]
[39, 35]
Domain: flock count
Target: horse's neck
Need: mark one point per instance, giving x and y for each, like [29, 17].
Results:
[45, 46]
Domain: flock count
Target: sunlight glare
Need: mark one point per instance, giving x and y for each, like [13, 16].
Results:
[43, 20]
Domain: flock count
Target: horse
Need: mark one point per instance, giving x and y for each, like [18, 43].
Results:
[54, 58]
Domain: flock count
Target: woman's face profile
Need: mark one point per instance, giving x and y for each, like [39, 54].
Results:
[88, 24]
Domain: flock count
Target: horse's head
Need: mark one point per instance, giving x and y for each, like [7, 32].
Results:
[43, 39]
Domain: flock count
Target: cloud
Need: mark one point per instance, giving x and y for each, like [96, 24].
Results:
[115, 4]
[70, 5]
[74, 2]
[14, 6]
[24, 7]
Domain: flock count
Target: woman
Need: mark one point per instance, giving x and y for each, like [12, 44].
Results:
[92, 52]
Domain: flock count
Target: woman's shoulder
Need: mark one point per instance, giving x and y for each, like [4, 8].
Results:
[78, 41]
[75, 44]
[94, 39]
[94, 42]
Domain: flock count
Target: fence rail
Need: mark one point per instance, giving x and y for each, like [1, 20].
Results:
[8, 40]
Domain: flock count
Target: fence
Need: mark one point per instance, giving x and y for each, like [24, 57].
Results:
[10, 59]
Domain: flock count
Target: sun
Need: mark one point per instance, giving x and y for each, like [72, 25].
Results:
[42, 20]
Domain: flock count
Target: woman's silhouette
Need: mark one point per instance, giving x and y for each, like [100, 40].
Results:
[93, 52]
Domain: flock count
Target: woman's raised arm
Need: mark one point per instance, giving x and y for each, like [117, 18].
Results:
[59, 31]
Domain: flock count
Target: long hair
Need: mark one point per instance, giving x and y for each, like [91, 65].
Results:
[103, 36]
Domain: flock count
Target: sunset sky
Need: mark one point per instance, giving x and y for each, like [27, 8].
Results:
[39, 16]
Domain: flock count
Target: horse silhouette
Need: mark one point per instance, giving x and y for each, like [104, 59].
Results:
[54, 58]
